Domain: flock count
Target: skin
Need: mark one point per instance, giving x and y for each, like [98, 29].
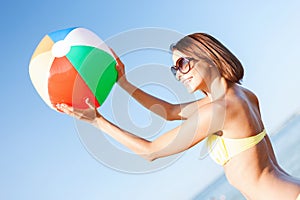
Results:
[227, 109]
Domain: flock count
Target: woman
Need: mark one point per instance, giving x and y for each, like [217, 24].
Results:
[228, 116]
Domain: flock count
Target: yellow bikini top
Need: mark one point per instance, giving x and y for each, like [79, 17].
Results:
[221, 149]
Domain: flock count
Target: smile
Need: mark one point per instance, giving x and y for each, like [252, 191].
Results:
[187, 80]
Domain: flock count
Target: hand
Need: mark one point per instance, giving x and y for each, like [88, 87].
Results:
[120, 68]
[89, 115]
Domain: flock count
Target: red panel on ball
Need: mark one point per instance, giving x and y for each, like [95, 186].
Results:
[65, 85]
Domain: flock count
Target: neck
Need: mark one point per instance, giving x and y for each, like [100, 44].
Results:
[217, 89]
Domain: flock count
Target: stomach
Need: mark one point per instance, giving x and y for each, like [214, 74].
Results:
[255, 174]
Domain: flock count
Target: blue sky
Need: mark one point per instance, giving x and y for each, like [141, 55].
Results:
[42, 154]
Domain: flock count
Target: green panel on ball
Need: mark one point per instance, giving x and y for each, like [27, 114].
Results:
[96, 67]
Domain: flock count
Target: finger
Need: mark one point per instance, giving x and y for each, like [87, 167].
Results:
[72, 112]
[69, 110]
[89, 103]
[60, 107]
[77, 115]
[65, 108]
[119, 62]
[114, 53]
[72, 109]
[63, 105]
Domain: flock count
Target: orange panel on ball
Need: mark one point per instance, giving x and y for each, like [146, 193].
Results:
[65, 85]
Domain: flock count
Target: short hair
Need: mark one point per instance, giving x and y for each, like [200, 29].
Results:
[205, 46]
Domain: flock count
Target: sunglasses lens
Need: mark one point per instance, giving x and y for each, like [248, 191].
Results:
[174, 71]
[183, 65]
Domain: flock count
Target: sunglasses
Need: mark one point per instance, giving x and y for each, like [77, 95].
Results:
[183, 65]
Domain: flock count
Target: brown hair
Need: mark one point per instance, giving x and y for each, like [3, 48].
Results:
[204, 46]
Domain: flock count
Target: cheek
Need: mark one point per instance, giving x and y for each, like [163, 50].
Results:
[202, 74]
[197, 76]
[195, 82]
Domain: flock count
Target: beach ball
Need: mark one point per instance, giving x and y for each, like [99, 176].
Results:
[71, 65]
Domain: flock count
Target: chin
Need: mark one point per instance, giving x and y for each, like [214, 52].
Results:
[190, 89]
[191, 86]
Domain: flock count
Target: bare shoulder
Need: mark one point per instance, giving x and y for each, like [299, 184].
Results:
[250, 94]
[210, 117]
[187, 109]
[241, 99]
[242, 112]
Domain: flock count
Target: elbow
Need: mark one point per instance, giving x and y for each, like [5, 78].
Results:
[173, 113]
[168, 112]
[148, 157]
[170, 117]
[174, 116]
[150, 154]
[152, 158]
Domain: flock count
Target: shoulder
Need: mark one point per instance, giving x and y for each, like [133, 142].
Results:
[207, 119]
[250, 94]
[186, 110]
[242, 108]
[215, 112]
[211, 107]
[241, 97]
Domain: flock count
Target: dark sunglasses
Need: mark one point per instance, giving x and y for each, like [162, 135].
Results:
[183, 65]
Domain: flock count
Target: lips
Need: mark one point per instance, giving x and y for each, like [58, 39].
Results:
[186, 80]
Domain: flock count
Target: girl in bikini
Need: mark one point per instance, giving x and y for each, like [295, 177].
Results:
[228, 116]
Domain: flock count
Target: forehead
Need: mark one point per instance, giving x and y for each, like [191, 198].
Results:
[177, 54]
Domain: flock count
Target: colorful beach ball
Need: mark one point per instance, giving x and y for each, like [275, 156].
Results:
[71, 65]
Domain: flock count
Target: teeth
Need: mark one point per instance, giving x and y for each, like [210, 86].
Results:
[186, 80]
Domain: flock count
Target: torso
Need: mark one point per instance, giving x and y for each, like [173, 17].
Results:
[261, 179]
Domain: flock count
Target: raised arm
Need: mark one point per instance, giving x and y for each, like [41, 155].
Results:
[198, 126]
[158, 106]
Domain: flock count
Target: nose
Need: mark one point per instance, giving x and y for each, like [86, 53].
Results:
[178, 75]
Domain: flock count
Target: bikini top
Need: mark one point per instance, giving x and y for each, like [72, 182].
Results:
[222, 149]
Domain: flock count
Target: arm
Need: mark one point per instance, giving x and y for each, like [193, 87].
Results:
[192, 131]
[160, 107]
